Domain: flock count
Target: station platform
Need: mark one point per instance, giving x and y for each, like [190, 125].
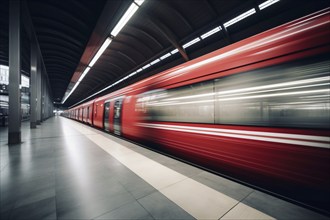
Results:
[67, 170]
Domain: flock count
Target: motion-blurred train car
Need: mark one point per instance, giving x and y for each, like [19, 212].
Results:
[256, 111]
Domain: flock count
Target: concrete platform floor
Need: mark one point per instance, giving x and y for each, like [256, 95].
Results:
[67, 170]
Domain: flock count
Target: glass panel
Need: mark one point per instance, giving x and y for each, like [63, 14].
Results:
[106, 115]
[117, 109]
[193, 103]
[291, 95]
[117, 117]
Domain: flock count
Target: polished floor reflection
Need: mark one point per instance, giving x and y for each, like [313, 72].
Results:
[66, 170]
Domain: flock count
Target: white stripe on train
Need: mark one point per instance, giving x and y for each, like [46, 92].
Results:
[261, 136]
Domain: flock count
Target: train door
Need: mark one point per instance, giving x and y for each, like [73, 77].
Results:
[106, 116]
[117, 116]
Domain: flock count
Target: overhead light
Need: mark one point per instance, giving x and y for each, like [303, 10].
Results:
[84, 73]
[165, 56]
[74, 87]
[139, 70]
[240, 17]
[174, 51]
[267, 4]
[146, 66]
[155, 61]
[191, 42]
[139, 2]
[100, 52]
[132, 74]
[211, 32]
[128, 14]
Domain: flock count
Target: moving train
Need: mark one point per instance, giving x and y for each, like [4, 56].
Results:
[257, 111]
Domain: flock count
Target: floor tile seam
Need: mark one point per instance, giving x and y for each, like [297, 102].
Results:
[17, 206]
[33, 179]
[111, 210]
[238, 202]
[172, 184]
[235, 200]
[145, 208]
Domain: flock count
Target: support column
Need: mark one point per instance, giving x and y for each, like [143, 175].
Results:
[39, 71]
[14, 125]
[33, 85]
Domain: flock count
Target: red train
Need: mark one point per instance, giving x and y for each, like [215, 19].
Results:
[257, 111]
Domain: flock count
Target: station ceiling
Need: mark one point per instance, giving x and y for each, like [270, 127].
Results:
[70, 33]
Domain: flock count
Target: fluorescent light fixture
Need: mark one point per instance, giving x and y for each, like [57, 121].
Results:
[84, 73]
[139, 70]
[126, 77]
[74, 87]
[101, 50]
[132, 74]
[146, 66]
[211, 32]
[165, 56]
[191, 42]
[155, 61]
[174, 51]
[128, 14]
[240, 17]
[139, 2]
[267, 4]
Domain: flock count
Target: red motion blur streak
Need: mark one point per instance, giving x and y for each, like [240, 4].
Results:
[292, 162]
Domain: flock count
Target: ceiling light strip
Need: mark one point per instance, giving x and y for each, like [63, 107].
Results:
[84, 74]
[240, 17]
[211, 32]
[165, 56]
[267, 4]
[100, 52]
[192, 42]
[174, 51]
[128, 14]
[155, 61]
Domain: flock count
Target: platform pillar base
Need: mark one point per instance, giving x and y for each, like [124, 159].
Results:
[14, 138]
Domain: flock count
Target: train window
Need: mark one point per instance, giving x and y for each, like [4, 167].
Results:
[291, 95]
[117, 109]
[193, 103]
[106, 116]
